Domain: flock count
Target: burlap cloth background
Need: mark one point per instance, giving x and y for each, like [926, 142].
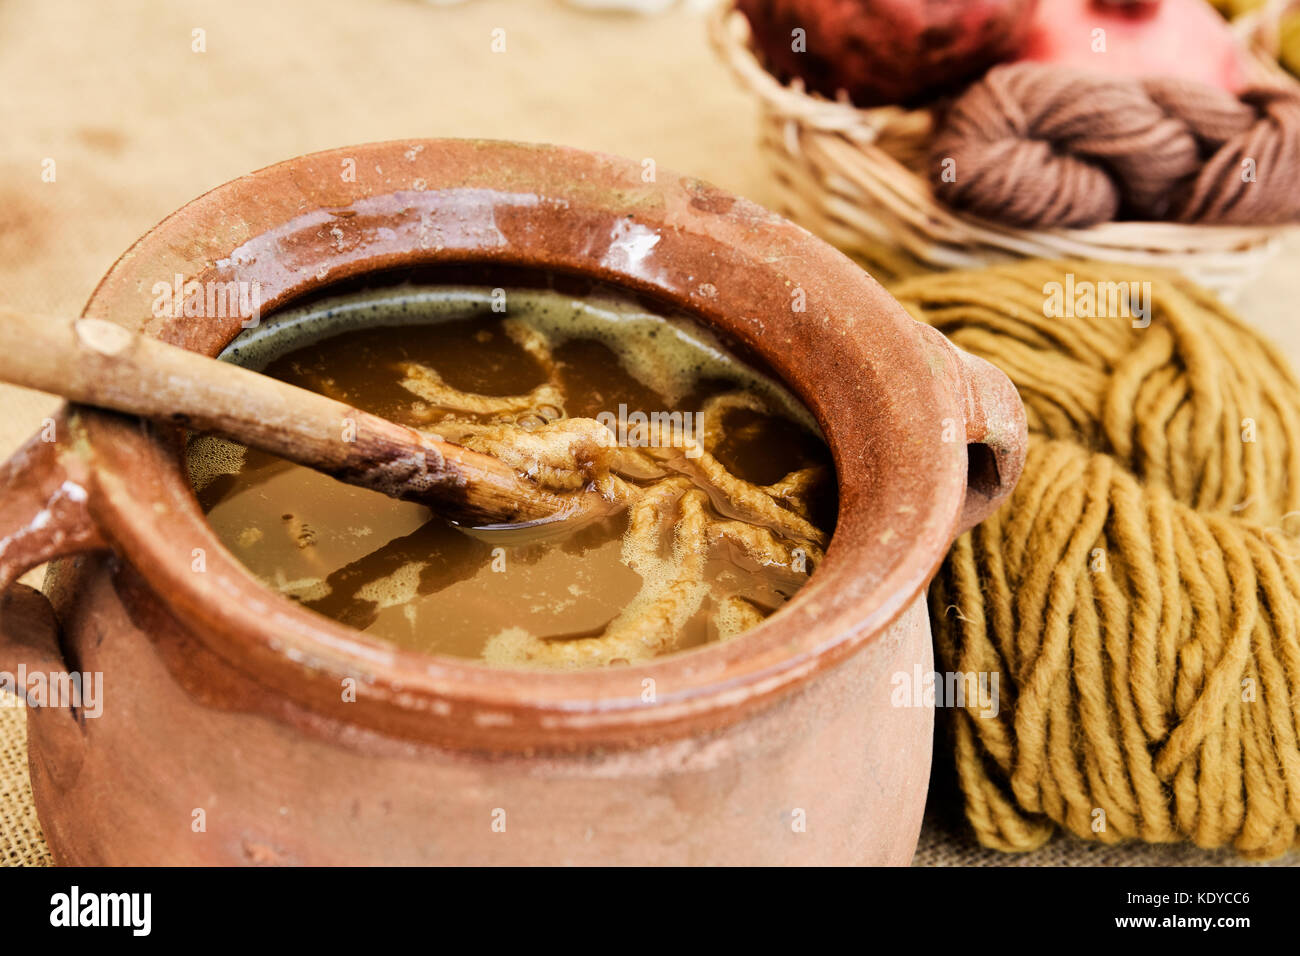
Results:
[137, 124]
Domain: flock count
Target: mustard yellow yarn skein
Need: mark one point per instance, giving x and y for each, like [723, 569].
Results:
[1138, 595]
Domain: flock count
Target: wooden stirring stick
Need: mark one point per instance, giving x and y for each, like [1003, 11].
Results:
[95, 362]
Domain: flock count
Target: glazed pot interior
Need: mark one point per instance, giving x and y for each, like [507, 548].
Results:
[446, 614]
[879, 388]
[427, 296]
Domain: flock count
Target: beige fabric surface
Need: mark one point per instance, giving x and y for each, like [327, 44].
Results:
[138, 123]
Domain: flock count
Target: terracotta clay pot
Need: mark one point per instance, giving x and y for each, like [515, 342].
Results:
[226, 733]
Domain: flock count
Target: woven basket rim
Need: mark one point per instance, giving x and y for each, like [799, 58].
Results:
[801, 114]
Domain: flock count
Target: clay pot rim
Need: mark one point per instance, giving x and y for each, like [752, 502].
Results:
[563, 209]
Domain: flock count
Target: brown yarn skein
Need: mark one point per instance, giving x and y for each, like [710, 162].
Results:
[1040, 146]
[1138, 595]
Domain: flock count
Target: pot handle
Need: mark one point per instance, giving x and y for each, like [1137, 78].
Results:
[44, 514]
[997, 438]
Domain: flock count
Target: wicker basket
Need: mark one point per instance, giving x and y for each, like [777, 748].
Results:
[857, 178]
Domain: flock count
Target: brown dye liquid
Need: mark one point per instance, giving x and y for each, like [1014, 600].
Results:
[397, 572]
